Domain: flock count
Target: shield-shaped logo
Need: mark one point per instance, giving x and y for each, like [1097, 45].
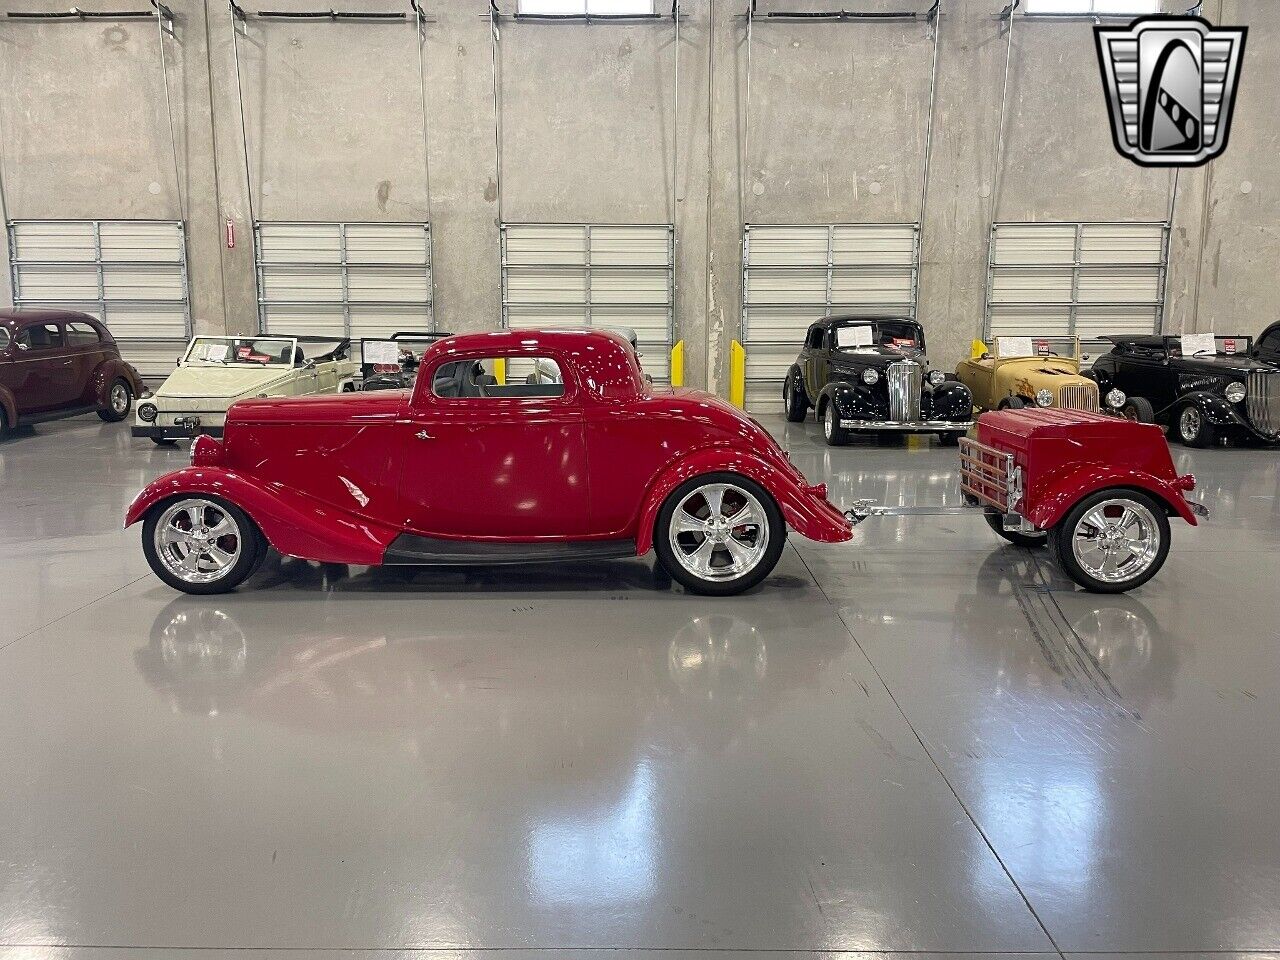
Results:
[1171, 85]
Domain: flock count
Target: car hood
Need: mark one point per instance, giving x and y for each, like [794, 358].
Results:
[1222, 366]
[226, 382]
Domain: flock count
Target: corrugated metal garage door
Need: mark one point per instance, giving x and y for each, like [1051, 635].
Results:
[344, 279]
[557, 274]
[793, 275]
[130, 274]
[1083, 279]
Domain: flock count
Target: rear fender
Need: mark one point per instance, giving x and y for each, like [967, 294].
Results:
[107, 373]
[294, 525]
[1063, 489]
[9, 404]
[805, 508]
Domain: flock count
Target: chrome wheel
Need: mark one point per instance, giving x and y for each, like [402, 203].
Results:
[1116, 540]
[198, 541]
[1190, 424]
[829, 421]
[119, 399]
[719, 531]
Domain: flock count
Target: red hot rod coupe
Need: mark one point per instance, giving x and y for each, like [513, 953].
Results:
[513, 447]
[523, 446]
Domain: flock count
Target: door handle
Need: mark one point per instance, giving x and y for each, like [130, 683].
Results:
[423, 435]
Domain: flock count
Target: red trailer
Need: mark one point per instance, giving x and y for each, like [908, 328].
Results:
[1097, 490]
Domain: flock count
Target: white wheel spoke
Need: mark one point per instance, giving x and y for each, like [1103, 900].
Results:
[194, 555]
[714, 495]
[221, 557]
[740, 552]
[221, 528]
[743, 517]
[700, 558]
[191, 562]
[195, 514]
[719, 532]
[686, 522]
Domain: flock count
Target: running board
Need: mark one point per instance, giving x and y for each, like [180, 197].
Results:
[411, 550]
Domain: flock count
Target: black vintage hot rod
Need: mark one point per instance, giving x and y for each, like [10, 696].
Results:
[1227, 390]
[870, 374]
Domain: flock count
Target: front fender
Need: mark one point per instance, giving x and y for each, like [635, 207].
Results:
[1059, 491]
[296, 526]
[856, 402]
[1219, 411]
[950, 400]
[804, 507]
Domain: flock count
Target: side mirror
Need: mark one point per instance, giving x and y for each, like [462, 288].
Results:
[24, 347]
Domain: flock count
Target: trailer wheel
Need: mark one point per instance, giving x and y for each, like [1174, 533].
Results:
[1112, 540]
[996, 523]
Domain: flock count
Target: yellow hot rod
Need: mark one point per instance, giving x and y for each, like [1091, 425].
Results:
[1014, 372]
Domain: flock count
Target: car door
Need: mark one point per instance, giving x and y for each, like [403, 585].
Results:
[46, 370]
[1142, 371]
[85, 346]
[490, 460]
[816, 361]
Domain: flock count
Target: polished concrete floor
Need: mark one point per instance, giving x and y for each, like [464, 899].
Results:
[922, 742]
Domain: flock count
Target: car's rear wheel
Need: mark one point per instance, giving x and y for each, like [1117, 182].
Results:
[719, 534]
[794, 402]
[119, 401]
[1112, 540]
[1193, 429]
[832, 432]
[996, 522]
[1012, 403]
[4, 424]
[1139, 410]
[201, 544]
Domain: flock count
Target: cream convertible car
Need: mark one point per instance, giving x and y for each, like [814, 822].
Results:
[218, 371]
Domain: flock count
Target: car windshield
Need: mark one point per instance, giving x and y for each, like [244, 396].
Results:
[1208, 345]
[241, 351]
[900, 335]
[1008, 347]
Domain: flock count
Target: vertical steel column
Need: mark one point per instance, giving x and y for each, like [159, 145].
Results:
[745, 158]
[240, 21]
[421, 25]
[675, 175]
[935, 14]
[1004, 103]
[494, 40]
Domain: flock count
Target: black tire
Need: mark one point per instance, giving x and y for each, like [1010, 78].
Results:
[1139, 410]
[832, 432]
[794, 403]
[777, 537]
[1030, 540]
[117, 409]
[164, 442]
[949, 438]
[1012, 403]
[4, 425]
[1193, 429]
[1061, 537]
[252, 547]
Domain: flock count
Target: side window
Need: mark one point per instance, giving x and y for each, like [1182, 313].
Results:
[4, 338]
[815, 338]
[80, 334]
[40, 336]
[498, 378]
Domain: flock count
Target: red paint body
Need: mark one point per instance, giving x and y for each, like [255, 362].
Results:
[50, 380]
[337, 478]
[1066, 455]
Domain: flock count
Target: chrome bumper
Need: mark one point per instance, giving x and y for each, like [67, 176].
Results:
[909, 426]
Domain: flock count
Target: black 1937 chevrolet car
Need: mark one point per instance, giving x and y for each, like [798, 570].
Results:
[870, 374]
[1231, 391]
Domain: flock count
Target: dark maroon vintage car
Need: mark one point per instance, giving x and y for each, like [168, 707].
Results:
[59, 363]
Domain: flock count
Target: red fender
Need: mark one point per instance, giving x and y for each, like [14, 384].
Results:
[1062, 489]
[805, 508]
[106, 373]
[295, 526]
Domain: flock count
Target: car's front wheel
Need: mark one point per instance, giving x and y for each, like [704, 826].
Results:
[832, 432]
[1193, 429]
[719, 534]
[794, 402]
[119, 402]
[201, 544]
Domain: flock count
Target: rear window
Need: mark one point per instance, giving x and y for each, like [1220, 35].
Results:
[80, 334]
[498, 378]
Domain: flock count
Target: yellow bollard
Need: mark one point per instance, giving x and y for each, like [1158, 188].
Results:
[500, 370]
[677, 364]
[737, 375]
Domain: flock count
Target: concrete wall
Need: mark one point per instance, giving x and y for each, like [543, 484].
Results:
[837, 122]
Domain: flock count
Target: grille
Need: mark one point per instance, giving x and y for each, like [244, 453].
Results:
[1262, 401]
[1079, 396]
[904, 379]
